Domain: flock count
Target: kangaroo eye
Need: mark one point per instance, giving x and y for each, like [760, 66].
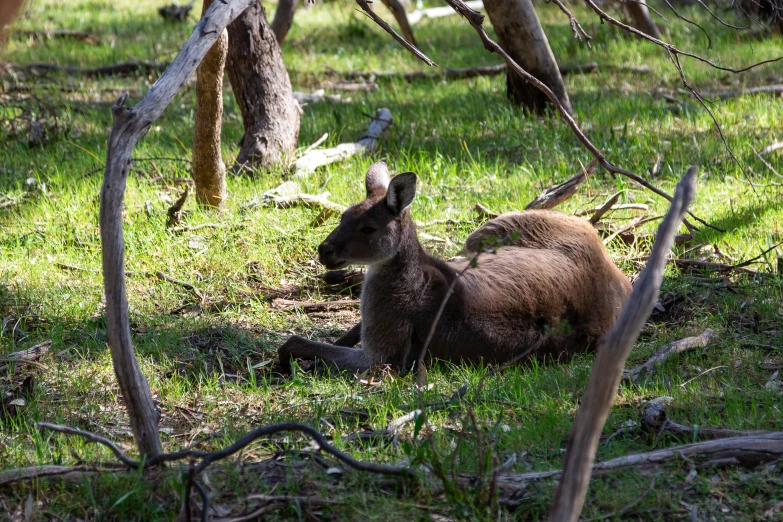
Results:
[367, 230]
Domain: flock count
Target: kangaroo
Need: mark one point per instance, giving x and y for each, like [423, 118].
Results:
[548, 283]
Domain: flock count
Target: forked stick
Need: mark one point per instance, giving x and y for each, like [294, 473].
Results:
[610, 361]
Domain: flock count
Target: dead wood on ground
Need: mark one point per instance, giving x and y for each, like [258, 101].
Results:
[555, 195]
[654, 417]
[666, 352]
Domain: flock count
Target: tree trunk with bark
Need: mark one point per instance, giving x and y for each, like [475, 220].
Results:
[519, 32]
[263, 91]
[209, 172]
[640, 16]
[284, 17]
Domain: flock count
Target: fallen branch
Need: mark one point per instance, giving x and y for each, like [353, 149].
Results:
[304, 200]
[317, 96]
[328, 209]
[392, 430]
[41, 69]
[92, 437]
[164, 277]
[654, 417]
[479, 71]
[635, 223]
[723, 267]
[739, 451]
[555, 195]
[771, 148]
[31, 354]
[63, 34]
[610, 361]
[598, 213]
[775, 90]
[353, 86]
[318, 158]
[663, 354]
[312, 306]
[13, 476]
[766, 163]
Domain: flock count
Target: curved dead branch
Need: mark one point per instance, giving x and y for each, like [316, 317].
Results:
[476, 20]
[130, 124]
[365, 5]
[608, 366]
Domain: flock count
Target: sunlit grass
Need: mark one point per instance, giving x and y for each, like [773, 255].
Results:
[468, 145]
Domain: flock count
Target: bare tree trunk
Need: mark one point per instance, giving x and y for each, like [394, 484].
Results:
[519, 32]
[209, 172]
[130, 124]
[263, 91]
[402, 19]
[284, 17]
[637, 10]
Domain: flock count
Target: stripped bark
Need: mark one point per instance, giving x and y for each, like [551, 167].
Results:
[320, 157]
[520, 34]
[209, 172]
[610, 361]
[263, 91]
[12, 476]
[130, 124]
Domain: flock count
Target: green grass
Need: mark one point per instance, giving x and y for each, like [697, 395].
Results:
[468, 145]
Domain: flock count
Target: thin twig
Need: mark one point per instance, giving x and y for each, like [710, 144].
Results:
[576, 27]
[630, 226]
[476, 19]
[92, 437]
[365, 5]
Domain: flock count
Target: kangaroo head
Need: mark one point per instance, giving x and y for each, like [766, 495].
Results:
[371, 231]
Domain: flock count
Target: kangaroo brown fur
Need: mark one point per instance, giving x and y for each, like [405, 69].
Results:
[544, 280]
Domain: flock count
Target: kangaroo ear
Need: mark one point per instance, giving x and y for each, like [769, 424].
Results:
[377, 179]
[401, 192]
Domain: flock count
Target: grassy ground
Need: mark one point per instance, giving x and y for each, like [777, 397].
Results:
[210, 359]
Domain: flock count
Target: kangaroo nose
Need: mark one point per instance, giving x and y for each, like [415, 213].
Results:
[324, 249]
